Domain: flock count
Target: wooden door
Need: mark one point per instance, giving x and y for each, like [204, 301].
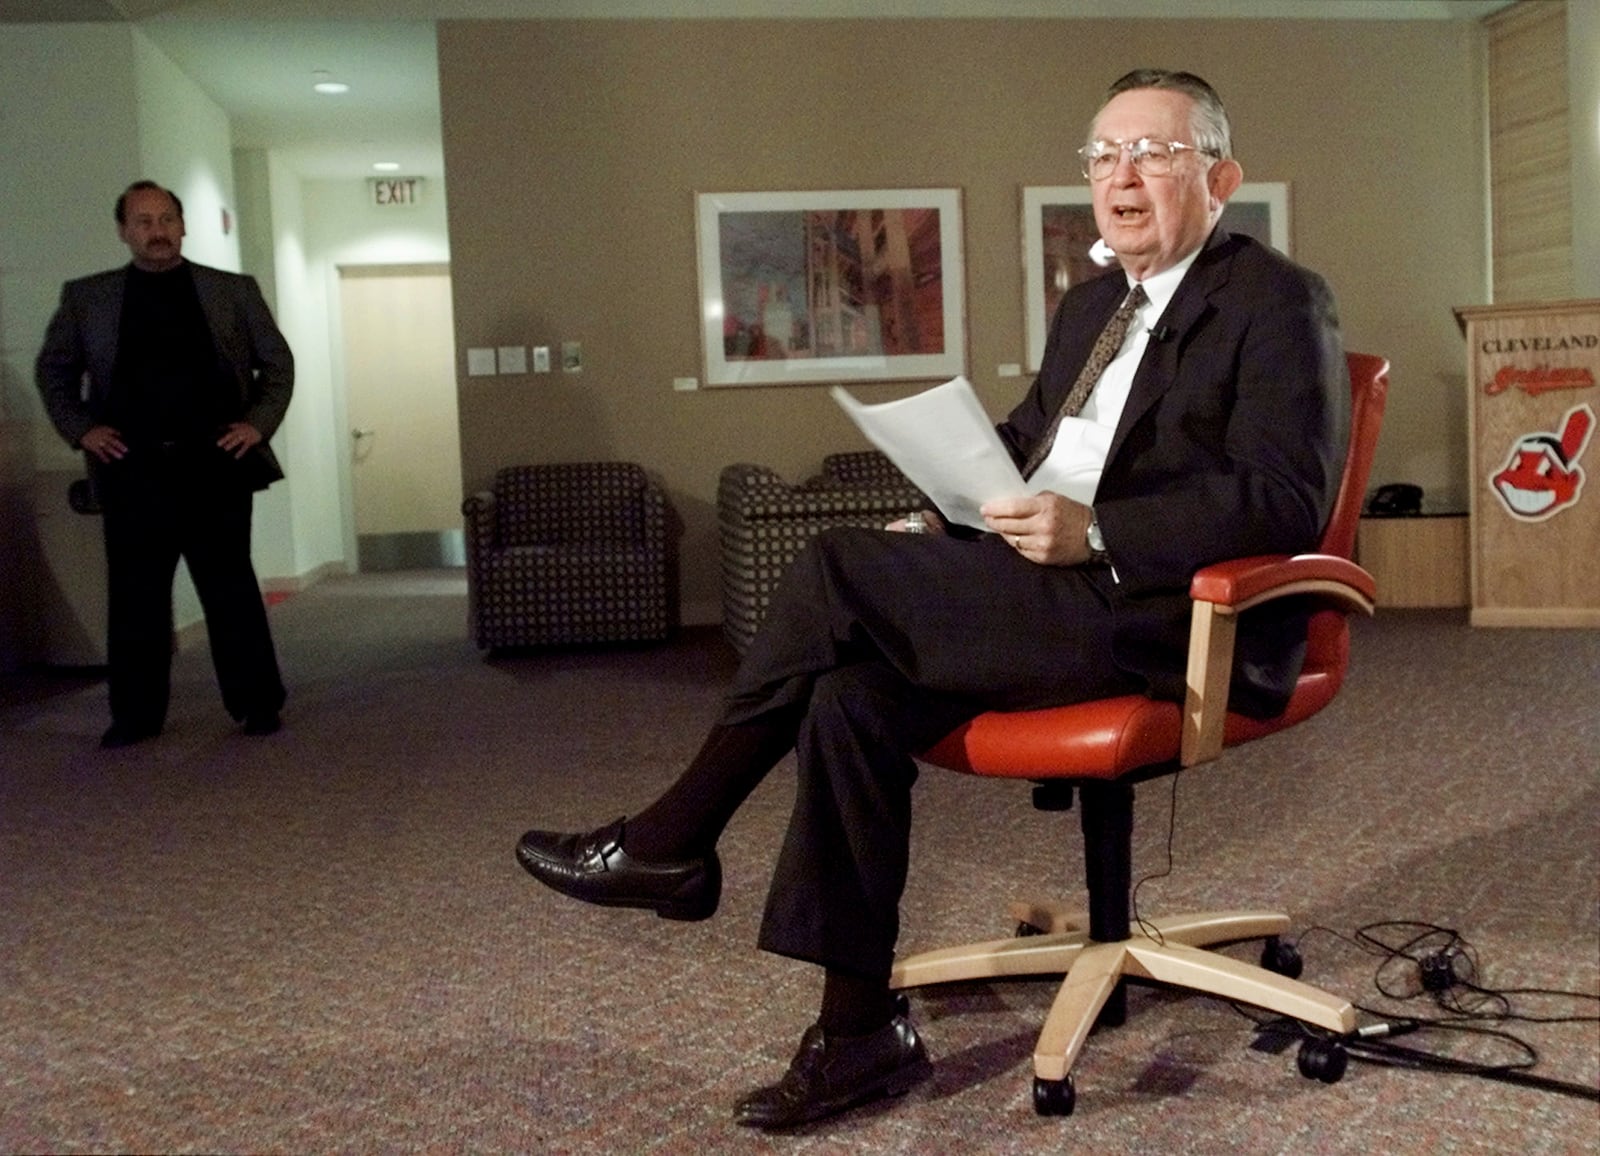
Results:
[404, 432]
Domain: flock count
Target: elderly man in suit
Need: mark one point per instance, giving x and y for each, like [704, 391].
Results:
[1192, 406]
[171, 376]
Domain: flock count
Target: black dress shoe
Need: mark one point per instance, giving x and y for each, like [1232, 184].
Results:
[264, 722]
[124, 735]
[595, 869]
[831, 1073]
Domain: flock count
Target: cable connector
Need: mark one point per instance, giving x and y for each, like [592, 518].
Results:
[1438, 971]
[1386, 1029]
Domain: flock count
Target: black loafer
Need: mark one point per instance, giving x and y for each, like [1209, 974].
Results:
[831, 1073]
[595, 869]
[266, 722]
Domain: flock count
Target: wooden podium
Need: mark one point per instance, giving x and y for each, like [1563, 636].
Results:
[1532, 370]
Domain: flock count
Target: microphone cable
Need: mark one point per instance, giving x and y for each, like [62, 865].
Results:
[1420, 960]
[1427, 961]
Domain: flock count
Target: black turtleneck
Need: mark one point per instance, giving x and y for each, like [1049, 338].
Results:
[167, 386]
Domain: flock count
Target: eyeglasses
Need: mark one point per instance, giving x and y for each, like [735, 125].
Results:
[1151, 158]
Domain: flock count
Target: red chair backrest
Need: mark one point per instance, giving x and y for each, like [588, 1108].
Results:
[1328, 634]
[1369, 391]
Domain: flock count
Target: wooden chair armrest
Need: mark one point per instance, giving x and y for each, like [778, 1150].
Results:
[1221, 592]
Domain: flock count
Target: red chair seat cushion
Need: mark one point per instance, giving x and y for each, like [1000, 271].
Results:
[1106, 738]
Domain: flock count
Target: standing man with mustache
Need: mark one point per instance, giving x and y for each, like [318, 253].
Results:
[171, 376]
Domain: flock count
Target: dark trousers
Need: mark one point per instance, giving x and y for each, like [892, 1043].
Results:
[160, 505]
[891, 641]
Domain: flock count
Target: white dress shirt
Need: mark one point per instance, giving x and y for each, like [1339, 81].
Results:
[1079, 453]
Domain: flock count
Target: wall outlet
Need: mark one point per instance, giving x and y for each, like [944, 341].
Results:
[683, 384]
[572, 357]
[541, 359]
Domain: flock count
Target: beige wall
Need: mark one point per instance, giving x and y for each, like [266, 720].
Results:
[575, 148]
[1583, 112]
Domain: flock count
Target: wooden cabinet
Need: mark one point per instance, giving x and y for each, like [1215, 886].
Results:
[1417, 562]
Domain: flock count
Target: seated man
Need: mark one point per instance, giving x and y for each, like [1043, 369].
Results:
[1202, 389]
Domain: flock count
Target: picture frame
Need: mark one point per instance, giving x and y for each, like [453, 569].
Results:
[1058, 228]
[831, 286]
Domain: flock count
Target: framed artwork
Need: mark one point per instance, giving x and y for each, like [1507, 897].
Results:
[1058, 231]
[803, 287]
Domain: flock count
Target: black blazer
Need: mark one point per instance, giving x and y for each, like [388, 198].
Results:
[81, 342]
[1232, 443]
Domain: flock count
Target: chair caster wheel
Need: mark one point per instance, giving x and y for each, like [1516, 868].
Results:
[1054, 1097]
[1323, 1059]
[1282, 958]
[1026, 929]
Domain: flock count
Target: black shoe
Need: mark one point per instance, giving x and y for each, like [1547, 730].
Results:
[831, 1073]
[123, 735]
[595, 869]
[264, 722]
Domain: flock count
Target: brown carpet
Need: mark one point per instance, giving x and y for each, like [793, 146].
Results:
[319, 941]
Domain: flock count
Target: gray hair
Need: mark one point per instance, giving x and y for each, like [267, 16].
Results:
[1209, 124]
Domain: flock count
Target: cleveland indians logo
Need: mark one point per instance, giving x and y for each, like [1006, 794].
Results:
[1542, 476]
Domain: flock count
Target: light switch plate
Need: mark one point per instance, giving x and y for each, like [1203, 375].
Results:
[541, 359]
[685, 383]
[480, 362]
[513, 358]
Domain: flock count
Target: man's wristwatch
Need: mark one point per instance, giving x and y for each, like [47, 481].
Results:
[1096, 540]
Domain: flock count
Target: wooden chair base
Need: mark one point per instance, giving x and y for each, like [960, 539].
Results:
[1168, 950]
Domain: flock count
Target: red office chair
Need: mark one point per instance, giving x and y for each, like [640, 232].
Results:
[1102, 748]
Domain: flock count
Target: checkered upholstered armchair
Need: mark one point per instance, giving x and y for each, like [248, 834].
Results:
[567, 553]
[764, 522]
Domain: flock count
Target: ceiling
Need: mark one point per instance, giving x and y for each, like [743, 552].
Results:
[256, 58]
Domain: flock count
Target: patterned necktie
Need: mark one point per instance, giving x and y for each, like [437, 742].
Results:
[1105, 348]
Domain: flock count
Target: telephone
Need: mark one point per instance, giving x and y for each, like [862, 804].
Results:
[1397, 500]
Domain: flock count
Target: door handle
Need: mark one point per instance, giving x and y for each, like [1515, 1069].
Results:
[358, 434]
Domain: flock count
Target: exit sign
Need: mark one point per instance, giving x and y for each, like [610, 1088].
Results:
[395, 190]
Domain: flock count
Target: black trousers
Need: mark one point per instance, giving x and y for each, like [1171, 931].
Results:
[891, 641]
[194, 503]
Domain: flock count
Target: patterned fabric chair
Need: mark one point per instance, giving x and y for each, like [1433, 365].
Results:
[764, 522]
[568, 553]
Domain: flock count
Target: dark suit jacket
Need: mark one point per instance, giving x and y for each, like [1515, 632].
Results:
[1232, 444]
[81, 344]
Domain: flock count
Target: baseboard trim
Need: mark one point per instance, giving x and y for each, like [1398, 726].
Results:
[294, 583]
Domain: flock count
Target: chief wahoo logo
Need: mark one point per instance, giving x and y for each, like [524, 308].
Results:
[1542, 476]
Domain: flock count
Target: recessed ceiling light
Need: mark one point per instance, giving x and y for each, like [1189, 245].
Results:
[386, 166]
[323, 82]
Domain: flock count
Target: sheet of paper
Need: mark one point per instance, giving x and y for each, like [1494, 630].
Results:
[944, 442]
